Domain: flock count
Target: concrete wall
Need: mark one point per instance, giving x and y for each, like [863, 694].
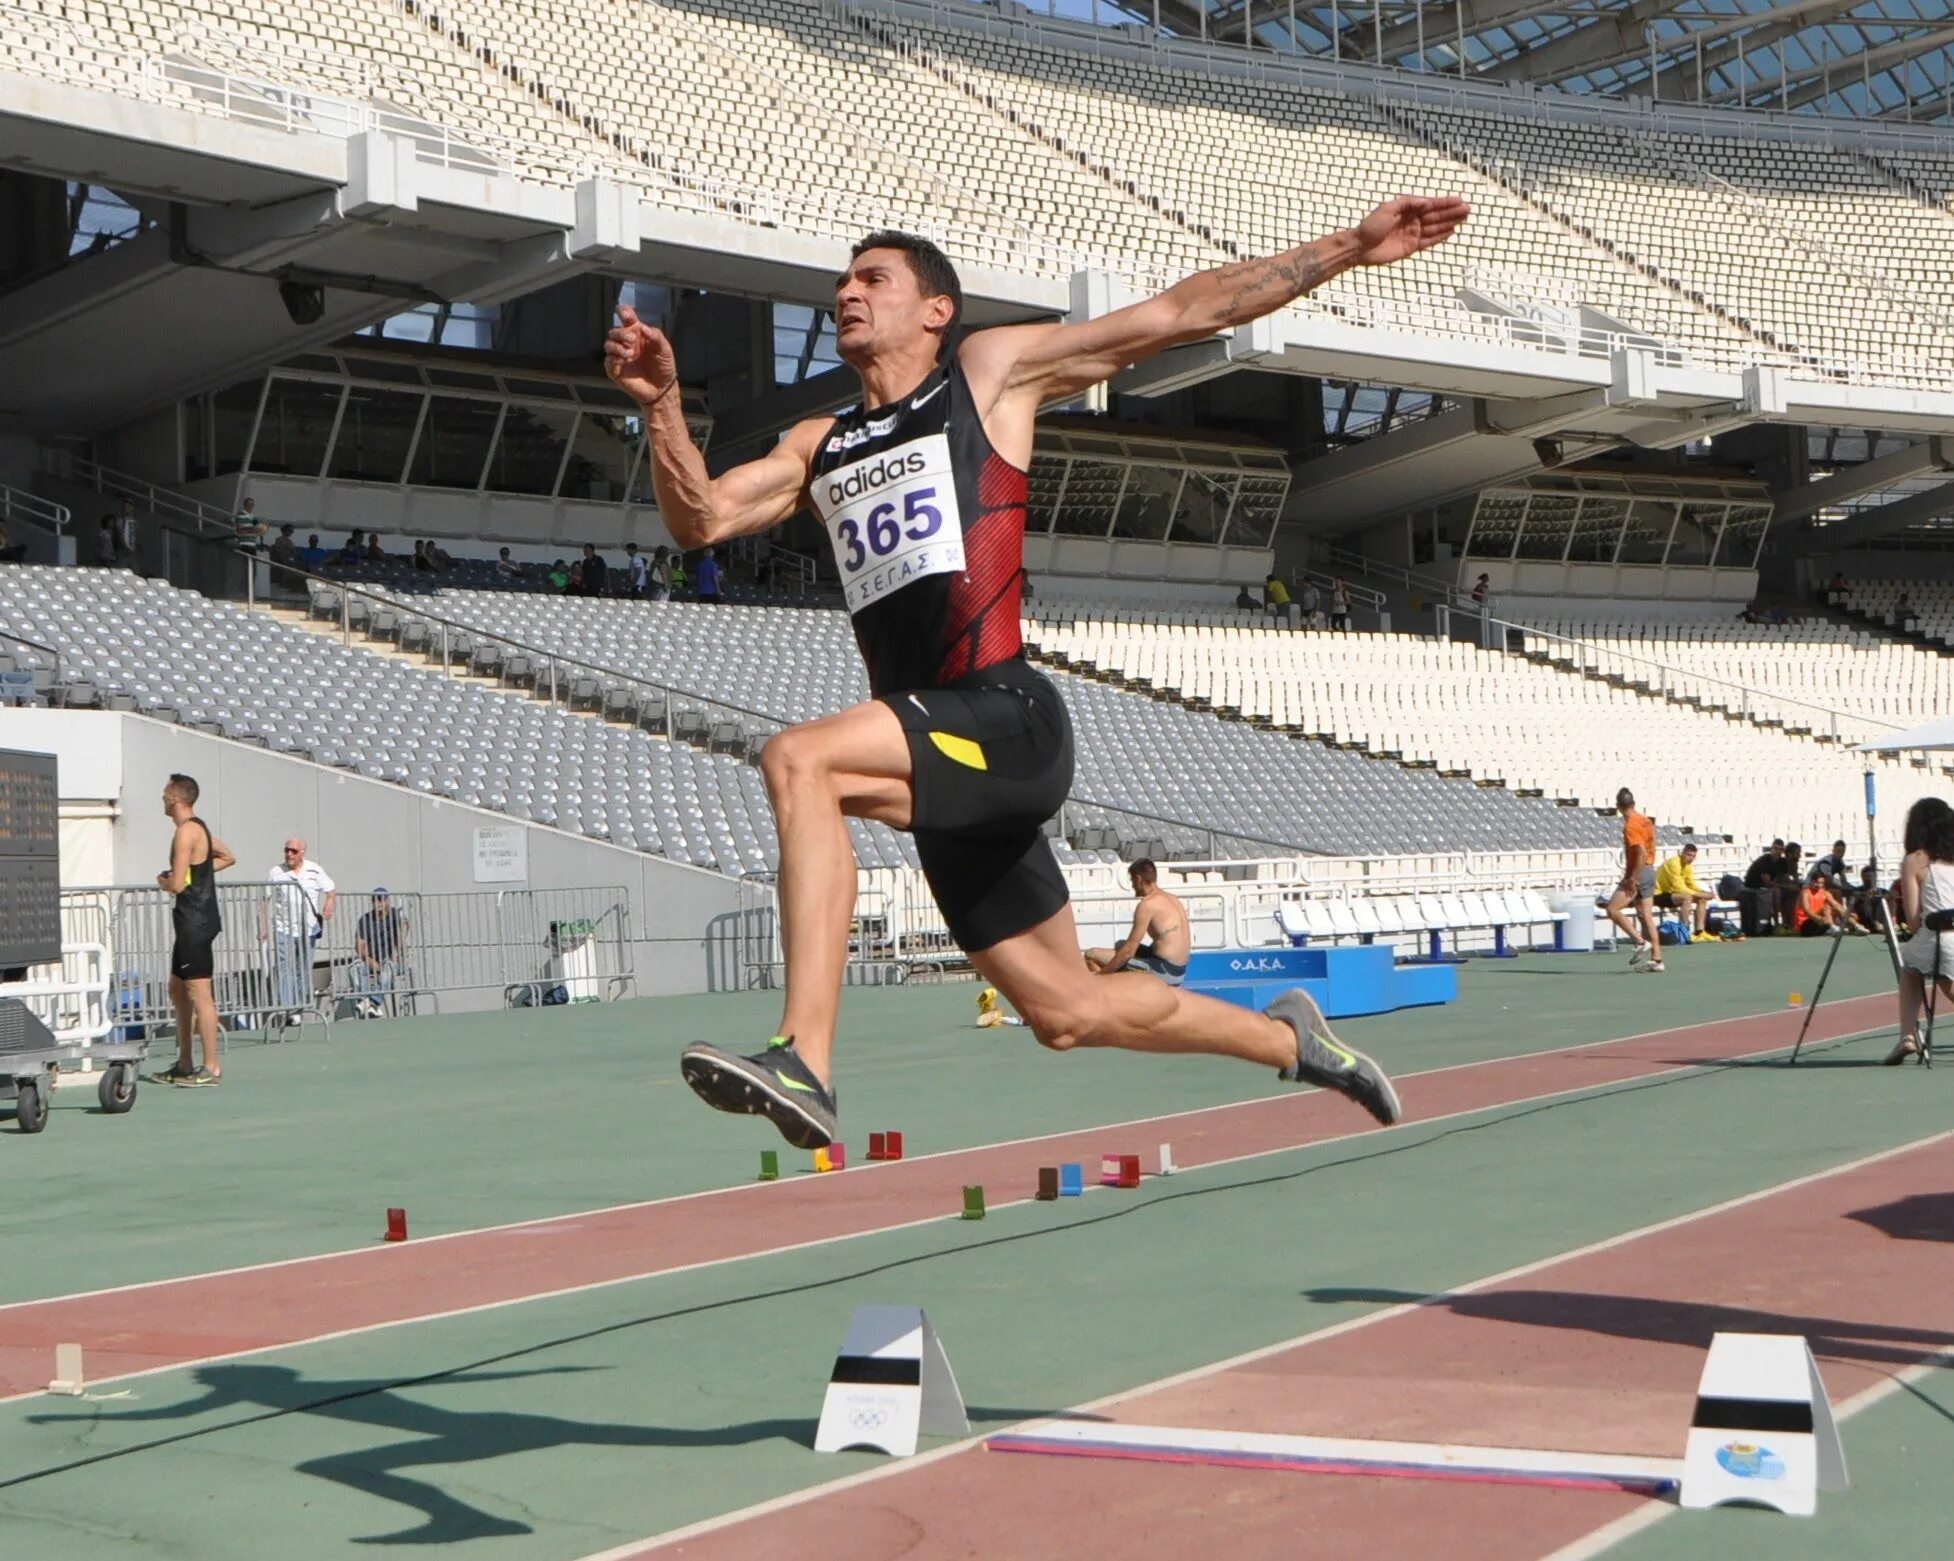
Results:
[363, 832]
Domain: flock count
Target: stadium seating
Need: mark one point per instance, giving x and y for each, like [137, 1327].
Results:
[1024, 154]
[1931, 610]
[140, 645]
[1810, 250]
[1530, 726]
[1146, 762]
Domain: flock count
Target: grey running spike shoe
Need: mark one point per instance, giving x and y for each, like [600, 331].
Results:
[1323, 1060]
[774, 1084]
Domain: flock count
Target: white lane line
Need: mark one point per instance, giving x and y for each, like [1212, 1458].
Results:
[1250, 1357]
[1598, 1091]
[376, 1251]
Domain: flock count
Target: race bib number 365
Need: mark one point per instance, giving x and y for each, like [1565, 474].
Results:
[892, 519]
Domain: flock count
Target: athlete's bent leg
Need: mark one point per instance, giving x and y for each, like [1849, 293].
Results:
[1617, 903]
[1099, 959]
[818, 775]
[1040, 972]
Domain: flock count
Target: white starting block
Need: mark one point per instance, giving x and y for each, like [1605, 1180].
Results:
[1167, 1166]
[1763, 1432]
[67, 1371]
[890, 1382]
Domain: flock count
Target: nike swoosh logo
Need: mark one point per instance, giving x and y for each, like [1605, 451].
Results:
[786, 1083]
[919, 704]
[930, 395]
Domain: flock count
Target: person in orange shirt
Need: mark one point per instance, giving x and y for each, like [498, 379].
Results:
[1637, 887]
[1819, 910]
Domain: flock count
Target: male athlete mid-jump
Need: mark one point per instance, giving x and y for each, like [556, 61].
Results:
[922, 490]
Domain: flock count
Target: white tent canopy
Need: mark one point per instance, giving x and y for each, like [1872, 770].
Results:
[1935, 734]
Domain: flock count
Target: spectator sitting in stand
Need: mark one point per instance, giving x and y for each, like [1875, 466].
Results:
[442, 558]
[312, 555]
[374, 552]
[1245, 599]
[558, 578]
[422, 563]
[708, 577]
[1835, 587]
[1676, 889]
[354, 549]
[1903, 611]
[506, 567]
[575, 587]
[380, 944]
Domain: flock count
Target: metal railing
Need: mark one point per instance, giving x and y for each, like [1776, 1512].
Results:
[1751, 703]
[16, 504]
[163, 503]
[1409, 580]
[279, 963]
[19, 683]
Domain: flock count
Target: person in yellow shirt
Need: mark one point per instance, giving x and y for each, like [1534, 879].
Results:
[1676, 889]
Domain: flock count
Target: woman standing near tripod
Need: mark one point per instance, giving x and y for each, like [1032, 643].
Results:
[1926, 888]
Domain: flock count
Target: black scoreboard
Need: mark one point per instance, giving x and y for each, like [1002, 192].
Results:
[30, 860]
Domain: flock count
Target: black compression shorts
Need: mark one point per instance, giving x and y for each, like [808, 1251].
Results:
[991, 761]
[193, 959]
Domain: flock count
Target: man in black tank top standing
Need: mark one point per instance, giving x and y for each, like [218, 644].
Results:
[922, 490]
[196, 857]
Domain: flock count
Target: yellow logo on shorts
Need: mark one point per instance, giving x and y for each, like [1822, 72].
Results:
[961, 749]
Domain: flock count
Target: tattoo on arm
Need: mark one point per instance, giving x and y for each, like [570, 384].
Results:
[1256, 287]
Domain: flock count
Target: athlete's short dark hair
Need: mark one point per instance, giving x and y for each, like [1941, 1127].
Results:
[934, 273]
[186, 788]
[1142, 868]
[1624, 798]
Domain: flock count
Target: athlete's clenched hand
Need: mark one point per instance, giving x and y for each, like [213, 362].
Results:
[639, 359]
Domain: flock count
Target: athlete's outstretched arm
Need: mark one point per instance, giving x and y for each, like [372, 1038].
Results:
[699, 509]
[1053, 362]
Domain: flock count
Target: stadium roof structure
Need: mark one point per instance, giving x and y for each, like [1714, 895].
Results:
[1878, 59]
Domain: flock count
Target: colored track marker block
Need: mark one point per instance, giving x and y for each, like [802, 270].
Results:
[892, 1146]
[878, 1146]
[837, 1156]
[1797, 998]
[1047, 1183]
[822, 1162]
[973, 1203]
[769, 1165]
[1109, 1170]
[1167, 1166]
[396, 1225]
[1071, 1181]
[1119, 1170]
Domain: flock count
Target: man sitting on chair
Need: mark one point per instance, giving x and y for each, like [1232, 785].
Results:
[1676, 889]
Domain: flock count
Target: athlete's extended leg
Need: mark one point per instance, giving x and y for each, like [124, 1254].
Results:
[1618, 902]
[203, 1002]
[1065, 1005]
[185, 1027]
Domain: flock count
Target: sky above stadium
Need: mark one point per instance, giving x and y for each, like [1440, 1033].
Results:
[1887, 59]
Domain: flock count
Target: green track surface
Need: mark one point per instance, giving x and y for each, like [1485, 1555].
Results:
[485, 1119]
[555, 1428]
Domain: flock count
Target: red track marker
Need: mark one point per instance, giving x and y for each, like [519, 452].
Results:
[396, 1225]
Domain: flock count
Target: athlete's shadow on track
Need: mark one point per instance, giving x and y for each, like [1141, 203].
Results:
[433, 1436]
[1687, 1323]
[1921, 1216]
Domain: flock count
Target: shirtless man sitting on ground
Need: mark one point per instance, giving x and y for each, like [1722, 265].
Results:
[1159, 942]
